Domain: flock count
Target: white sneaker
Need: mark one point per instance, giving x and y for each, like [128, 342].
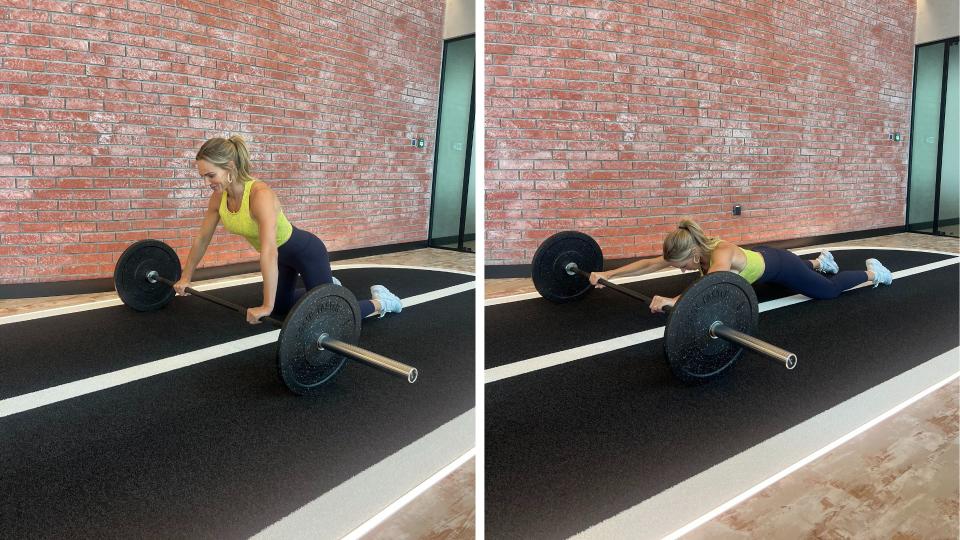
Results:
[389, 302]
[827, 264]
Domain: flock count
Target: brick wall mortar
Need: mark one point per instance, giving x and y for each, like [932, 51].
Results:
[618, 119]
[104, 104]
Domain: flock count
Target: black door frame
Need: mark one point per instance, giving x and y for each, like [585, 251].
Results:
[467, 161]
[935, 225]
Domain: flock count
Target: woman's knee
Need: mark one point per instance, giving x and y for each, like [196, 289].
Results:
[825, 293]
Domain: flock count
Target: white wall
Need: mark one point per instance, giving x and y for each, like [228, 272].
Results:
[460, 17]
[936, 20]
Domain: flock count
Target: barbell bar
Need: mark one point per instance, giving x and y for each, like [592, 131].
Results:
[716, 330]
[707, 330]
[324, 341]
[317, 336]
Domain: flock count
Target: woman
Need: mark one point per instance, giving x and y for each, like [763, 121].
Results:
[688, 248]
[248, 207]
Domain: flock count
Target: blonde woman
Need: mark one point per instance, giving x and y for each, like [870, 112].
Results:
[689, 248]
[248, 207]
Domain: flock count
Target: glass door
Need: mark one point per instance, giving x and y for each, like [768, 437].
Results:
[948, 216]
[933, 205]
[452, 204]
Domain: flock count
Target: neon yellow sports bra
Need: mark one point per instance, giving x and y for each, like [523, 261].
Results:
[754, 267]
[242, 223]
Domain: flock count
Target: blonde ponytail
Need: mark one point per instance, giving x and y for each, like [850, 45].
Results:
[231, 154]
[680, 244]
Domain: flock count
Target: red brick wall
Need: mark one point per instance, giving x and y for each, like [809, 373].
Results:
[619, 118]
[103, 106]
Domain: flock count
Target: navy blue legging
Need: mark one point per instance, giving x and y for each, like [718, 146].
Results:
[304, 254]
[786, 268]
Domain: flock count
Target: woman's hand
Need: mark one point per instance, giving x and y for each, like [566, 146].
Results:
[180, 286]
[595, 278]
[659, 302]
[254, 314]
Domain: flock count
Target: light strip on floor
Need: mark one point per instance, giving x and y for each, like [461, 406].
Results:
[681, 507]
[577, 353]
[347, 507]
[409, 496]
[53, 312]
[810, 458]
[674, 272]
[585, 351]
[48, 396]
[411, 301]
[401, 267]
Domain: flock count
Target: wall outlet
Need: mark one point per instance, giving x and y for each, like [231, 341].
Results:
[736, 210]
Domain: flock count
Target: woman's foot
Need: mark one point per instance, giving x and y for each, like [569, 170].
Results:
[880, 273]
[389, 302]
[826, 263]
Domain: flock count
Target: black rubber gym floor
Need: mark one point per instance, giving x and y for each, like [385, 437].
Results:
[220, 449]
[569, 446]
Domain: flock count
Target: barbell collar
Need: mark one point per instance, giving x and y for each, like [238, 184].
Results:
[720, 330]
[370, 358]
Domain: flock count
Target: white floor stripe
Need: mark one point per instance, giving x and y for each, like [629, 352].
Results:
[97, 304]
[674, 271]
[26, 402]
[449, 291]
[685, 506]
[401, 267]
[409, 497]
[343, 509]
[585, 351]
[569, 355]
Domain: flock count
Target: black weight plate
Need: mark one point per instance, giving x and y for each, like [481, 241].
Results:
[550, 262]
[130, 275]
[693, 355]
[327, 309]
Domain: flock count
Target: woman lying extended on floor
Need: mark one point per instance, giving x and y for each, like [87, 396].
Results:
[688, 248]
[249, 208]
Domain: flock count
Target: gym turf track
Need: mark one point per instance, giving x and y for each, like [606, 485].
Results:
[220, 449]
[569, 446]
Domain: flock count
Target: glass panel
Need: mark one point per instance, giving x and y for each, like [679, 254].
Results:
[949, 216]
[924, 139]
[452, 143]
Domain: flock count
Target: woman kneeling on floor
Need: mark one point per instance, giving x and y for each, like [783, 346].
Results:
[688, 248]
[248, 207]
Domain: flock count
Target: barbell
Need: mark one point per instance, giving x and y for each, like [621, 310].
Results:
[707, 329]
[317, 336]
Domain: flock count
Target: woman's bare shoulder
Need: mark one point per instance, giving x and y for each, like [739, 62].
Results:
[726, 246]
[260, 190]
